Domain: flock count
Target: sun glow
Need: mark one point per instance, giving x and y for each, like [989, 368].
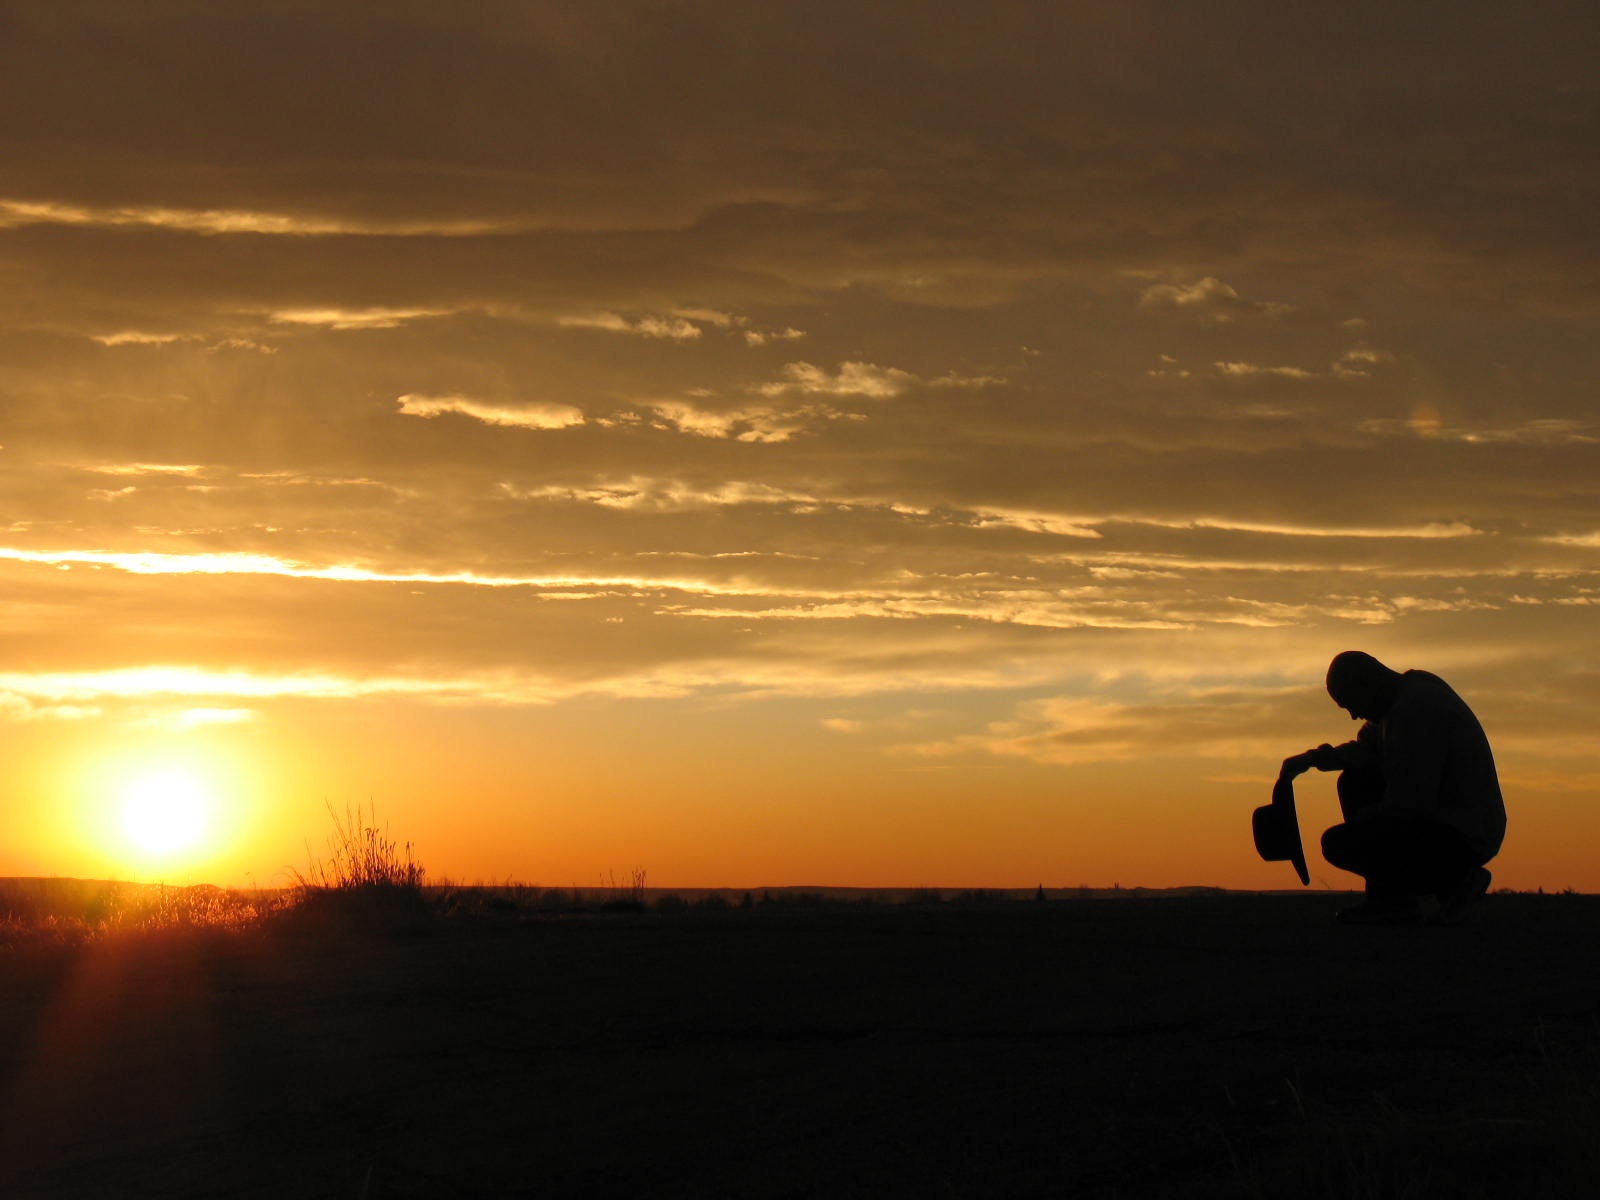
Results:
[165, 812]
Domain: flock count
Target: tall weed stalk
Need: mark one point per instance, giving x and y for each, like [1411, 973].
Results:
[361, 856]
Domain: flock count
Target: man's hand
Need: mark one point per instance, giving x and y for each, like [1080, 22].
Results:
[1299, 764]
[1295, 764]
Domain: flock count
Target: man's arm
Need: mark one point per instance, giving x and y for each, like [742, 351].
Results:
[1363, 752]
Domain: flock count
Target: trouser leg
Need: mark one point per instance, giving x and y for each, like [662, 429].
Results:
[1399, 855]
[1359, 788]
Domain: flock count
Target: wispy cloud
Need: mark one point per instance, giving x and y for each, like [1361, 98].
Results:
[1428, 423]
[1247, 370]
[15, 213]
[133, 337]
[525, 416]
[1231, 723]
[1059, 524]
[1208, 300]
[1358, 362]
[849, 379]
[1431, 530]
[187, 470]
[155, 563]
[167, 681]
[765, 337]
[187, 719]
[355, 318]
[677, 329]
[747, 422]
[17, 706]
[669, 495]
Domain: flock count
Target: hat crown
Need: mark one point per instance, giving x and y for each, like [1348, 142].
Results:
[1276, 829]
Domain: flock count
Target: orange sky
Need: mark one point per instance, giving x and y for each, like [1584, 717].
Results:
[786, 444]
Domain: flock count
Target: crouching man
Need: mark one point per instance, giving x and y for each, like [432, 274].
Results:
[1421, 801]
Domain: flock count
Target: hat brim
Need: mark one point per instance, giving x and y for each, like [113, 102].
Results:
[1276, 828]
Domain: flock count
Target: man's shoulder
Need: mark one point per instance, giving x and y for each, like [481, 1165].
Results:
[1422, 684]
[1424, 692]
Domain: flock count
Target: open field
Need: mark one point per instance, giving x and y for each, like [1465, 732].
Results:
[1221, 1046]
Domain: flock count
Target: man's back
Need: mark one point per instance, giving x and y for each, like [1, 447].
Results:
[1437, 762]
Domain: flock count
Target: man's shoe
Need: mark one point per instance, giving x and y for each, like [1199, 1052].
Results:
[1401, 910]
[1455, 901]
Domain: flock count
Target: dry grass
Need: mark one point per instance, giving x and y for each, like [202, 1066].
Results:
[366, 879]
[43, 914]
[361, 856]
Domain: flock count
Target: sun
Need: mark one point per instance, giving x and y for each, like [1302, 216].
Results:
[165, 812]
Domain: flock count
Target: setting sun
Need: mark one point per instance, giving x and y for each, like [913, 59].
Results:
[165, 812]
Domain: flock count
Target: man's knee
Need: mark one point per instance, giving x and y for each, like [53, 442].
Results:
[1340, 846]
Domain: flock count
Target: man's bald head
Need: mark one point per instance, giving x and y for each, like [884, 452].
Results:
[1361, 685]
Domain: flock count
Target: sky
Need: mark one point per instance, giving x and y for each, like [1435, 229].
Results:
[907, 444]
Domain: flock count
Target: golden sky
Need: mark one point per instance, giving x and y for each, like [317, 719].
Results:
[891, 444]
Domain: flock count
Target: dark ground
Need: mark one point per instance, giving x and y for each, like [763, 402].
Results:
[1221, 1046]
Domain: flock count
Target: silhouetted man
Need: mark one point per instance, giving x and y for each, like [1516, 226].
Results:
[1418, 789]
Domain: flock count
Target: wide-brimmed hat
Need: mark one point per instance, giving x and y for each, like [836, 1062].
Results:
[1277, 830]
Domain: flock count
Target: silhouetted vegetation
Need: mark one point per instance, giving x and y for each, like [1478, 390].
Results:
[365, 878]
[64, 913]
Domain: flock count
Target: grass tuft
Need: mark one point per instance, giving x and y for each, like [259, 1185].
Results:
[366, 878]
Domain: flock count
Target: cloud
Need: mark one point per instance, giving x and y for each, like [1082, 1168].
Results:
[191, 718]
[523, 416]
[132, 337]
[188, 719]
[18, 707]
[734, 323]
[1038, 522]
[675, 329]
[1245, 370]
[748, 423]
[763, 337]
[1428, 423]
[368, 318]
[843, 725]
[211, 221]
[670, 495]
[186, 470]
[779, 423]
[850, 379]
[154, 682]
[1161, 719]
[1208, 300]
[155, 563]
[683, 325]
[711, 316]
[1358, 362]
[1433, 529]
